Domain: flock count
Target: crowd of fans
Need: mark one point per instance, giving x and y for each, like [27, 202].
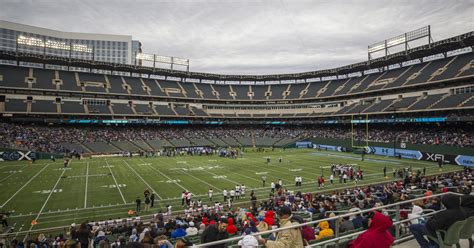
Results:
[45, 138]
[283, 209]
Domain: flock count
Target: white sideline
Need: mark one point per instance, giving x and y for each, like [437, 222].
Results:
[87, 181]
[47, 199]
[115, 181]
[29, 181]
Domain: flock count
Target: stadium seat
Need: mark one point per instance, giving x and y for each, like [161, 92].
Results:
[451, 236]
[468, 230]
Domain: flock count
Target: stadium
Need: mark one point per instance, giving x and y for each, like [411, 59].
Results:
[102, 150]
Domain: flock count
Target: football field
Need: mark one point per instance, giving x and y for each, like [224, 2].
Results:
[106, 188]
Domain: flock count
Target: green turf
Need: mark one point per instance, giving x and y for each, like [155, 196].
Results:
[88, 190]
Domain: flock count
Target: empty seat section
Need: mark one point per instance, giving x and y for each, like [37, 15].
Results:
[405, 102]
[183, 111]
[230, 141]
[44, 79]
[426, 102]
[206, 90]
[241, 91]
[426, 73]
[389, 76]
[172, 88]
[218, 142]
[46, 106]
[346, 108]
[455, 67]
[153, 86]
[403, 78]
[164, 110]
[13, 76]
[74, 147]
[158, 144]
[364, 84]
[101, 147]
[277, 91]
[190, 90]
[69, 81]
[143, 109]
[180, 142]
[358, 109]
[224, 91]
[98, 109]
[469, 103]
[452, 101]
[136, 85]
[348, 85]
[202, 142]
[380, 106]
[313, 89]
[72, 107]
[199, 112]
[331, 88]
[116, 85]
[126, 146]
[122, 108]
[259, 92]
[93, 82]
[295, 90]
[245, 141]
[15, 105]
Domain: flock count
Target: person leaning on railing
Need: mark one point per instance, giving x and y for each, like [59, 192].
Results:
[440, 221]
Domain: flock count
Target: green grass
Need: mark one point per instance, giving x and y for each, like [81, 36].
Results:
[88, 190]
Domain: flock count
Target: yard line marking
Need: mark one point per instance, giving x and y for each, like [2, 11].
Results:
[29, 181]
[47, 199]
[176, 199]
[87, 181]
[116, 184]
[134, 171]
[151, 167]
[12, 174]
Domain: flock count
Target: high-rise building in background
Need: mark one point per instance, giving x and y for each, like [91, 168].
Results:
[99, 47]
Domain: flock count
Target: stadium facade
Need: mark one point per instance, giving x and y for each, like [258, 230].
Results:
[99, 47]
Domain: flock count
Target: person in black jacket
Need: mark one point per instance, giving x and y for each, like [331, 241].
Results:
[215, 233]
[440, 221]
[467, 204]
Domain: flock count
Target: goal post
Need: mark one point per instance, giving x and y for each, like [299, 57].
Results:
[355, 143]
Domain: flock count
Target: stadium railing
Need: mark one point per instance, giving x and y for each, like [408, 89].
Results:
[337, 236]
[397, 223]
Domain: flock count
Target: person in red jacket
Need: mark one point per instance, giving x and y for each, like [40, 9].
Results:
[231, 228]
[269, 218]
[377, 236]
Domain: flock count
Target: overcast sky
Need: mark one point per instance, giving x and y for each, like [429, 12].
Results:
[250, 37]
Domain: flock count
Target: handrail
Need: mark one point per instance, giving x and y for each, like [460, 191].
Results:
[326, 219]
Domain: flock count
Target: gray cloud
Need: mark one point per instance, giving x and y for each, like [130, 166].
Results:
[250, 37]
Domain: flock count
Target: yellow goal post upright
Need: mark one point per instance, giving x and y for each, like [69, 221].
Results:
[354, 121]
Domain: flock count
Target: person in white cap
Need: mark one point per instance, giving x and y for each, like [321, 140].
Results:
[248, 241]
[191, 230]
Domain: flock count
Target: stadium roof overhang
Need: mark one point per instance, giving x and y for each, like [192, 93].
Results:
[442, 46]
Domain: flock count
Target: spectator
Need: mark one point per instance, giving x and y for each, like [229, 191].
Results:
[346, 225]
[248, 241]
[83, 235]
[288, 237]
[179, 232]
[377, 235]
[324, 230]
[191, 230]
[231, 228]
[215, 232]
[440, 221]
[467, 203]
